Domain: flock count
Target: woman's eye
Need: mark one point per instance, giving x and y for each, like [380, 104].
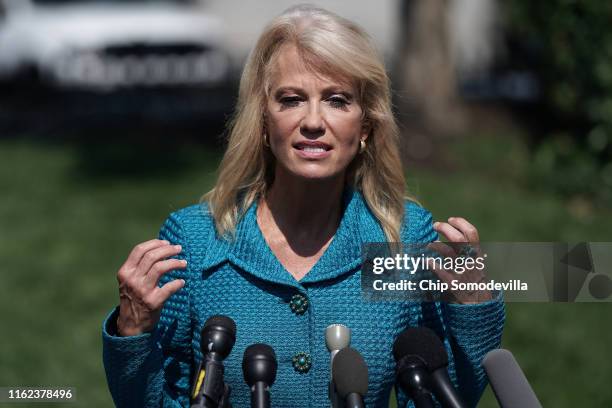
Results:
[290, 101]
[338, 102]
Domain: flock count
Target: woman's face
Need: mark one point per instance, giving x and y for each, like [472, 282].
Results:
[314, 123]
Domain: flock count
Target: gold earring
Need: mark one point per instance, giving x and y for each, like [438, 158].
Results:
[266, 143]
[362, 146]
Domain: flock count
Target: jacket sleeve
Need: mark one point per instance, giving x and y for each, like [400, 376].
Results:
[468, 331]
[154, 369]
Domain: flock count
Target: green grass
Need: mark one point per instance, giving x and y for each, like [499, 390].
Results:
[66, 227]
[564, 349]
[69, 216]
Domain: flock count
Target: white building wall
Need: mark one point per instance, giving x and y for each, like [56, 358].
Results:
[246, 19]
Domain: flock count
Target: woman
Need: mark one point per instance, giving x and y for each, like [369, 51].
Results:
[311, 172]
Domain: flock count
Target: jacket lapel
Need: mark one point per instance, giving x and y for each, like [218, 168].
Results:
[250, 252]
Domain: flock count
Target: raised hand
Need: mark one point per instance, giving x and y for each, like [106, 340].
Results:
[458, 230]
[141, 300]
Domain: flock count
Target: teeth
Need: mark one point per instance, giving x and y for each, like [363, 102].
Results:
[313, 149]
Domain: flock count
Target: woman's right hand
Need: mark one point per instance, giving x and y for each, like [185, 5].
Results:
[141, 300]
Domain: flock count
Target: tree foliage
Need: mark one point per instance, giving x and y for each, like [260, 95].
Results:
[573, 43]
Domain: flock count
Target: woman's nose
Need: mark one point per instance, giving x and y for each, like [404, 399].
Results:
[312, 122]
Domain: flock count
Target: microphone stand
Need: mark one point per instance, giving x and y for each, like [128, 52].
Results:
[336, 402]
[414, 378]
[210, 395]
[224, 402]
[333, 396]
[225, 399]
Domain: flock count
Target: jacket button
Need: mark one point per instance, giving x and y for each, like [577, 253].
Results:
[302, 362]
[298, 304]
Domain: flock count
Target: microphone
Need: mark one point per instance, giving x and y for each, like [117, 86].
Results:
[508, 381]
[421, 368]
[350, 376]
[259, 370]
[217, 341]
[337, 337]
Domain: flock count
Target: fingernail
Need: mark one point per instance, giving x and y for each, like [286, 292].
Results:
[177, 247]
[451, 219]
[184, 262]
[435, 224]
[165, 242]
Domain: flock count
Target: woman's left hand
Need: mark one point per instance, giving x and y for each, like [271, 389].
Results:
[459, 230]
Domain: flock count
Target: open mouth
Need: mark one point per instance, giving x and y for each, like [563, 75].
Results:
[312, 147]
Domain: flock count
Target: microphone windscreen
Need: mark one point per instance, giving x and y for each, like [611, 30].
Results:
[508, 382]
[337, 337]
[259, 351]
[350, 373]
[221, 321]
[421, 342]
[259, 364]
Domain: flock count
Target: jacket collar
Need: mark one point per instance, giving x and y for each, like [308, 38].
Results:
[251, 253]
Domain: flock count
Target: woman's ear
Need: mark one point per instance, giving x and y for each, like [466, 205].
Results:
[366, 129]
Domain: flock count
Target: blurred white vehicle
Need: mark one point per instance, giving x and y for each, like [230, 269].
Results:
[108, 45]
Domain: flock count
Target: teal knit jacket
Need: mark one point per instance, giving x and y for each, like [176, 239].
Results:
[244, 280]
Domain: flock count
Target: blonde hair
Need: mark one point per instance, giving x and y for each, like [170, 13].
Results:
[329, 45]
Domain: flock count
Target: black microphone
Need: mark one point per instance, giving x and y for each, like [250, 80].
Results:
[508, 381]
[259, 370]
[350, 376]
[218, 338]
[421, 368]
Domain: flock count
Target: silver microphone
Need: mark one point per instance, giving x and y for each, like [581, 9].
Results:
[509, 384]
[337, 337]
